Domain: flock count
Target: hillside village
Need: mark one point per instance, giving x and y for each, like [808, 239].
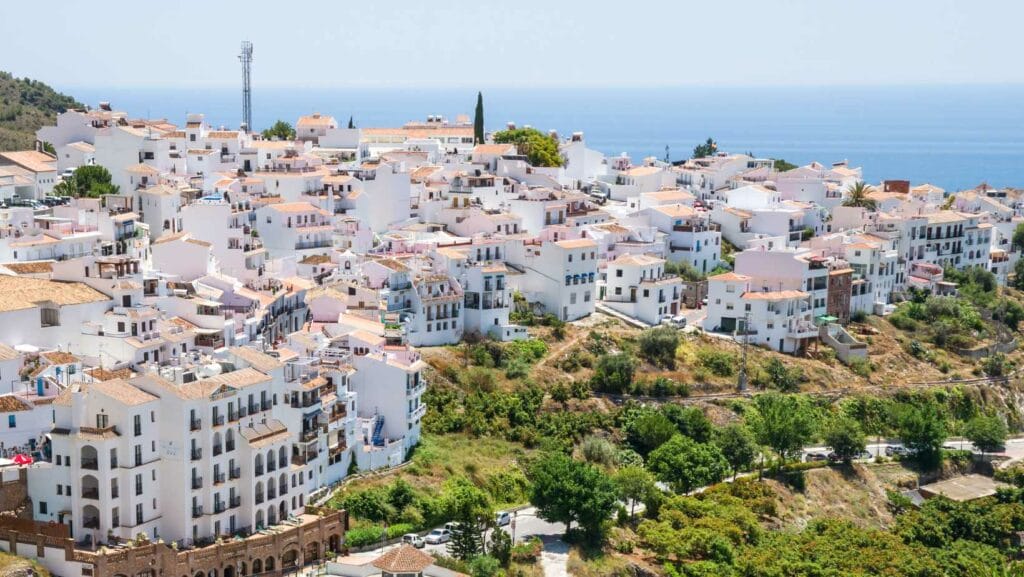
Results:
[207, 329]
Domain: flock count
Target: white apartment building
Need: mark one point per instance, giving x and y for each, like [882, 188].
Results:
[561, 276]
[779, 319]
[637, 286]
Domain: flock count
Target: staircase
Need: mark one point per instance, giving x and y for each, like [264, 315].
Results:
[378, 432]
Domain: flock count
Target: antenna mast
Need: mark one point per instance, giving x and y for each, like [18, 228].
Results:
[246, 59]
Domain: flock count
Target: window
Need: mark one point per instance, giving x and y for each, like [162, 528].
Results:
[618, 272]
[42, 508]
[138, 484]
[12, 421]
[60, 489]
[138, 514]
[137, 425]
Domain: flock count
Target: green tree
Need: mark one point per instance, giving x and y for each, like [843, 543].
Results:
[778, 376]
[470, 507]
[845, 437]
[568, 491]
[648, 430]
[351, 123]
[782, 166]
[737, 445]
[857, 195]
[706, 149]
[922, 428]
[540, 150]
[478, 120]
[90, 181]
[658, 345]
[986, 432]
[636, 484]
[782, 422]
[1018, 237]
[690, 421]
[500, 546]
[614, 373]
[280, 129]
[685, 464]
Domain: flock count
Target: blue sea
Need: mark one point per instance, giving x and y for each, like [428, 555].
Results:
[953, 136]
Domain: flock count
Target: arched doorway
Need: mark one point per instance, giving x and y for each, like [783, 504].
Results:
[242, 569]
[268, 565]
[312, 552]
[334, 543]
[257, 566]
[229, 571]
[259, 525]
[283, 511]
[290, 560]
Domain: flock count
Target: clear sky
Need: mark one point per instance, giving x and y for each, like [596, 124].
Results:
[483, 43]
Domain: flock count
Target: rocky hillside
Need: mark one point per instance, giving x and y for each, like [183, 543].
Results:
[13, 566]
[25, 106]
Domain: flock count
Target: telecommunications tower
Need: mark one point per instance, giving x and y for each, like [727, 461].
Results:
[246, 58]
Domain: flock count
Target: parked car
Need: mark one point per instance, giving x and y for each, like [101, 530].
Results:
[502, 518]
[414, 540]
[438, 536]
[892, 450]
[451, 526]
[816, 457]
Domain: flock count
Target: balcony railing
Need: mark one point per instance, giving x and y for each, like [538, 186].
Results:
[236, 501]
[219, 478]
[197, 511]
[92, 523]
[217, 449]
[218, 507]
[197, 454]
[91, 493]
[197, 482]
[235, 473]
[90, 464]
[195, 425]
[218, 420]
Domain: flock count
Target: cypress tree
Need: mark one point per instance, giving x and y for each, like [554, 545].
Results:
[478, 120]
[350, 123]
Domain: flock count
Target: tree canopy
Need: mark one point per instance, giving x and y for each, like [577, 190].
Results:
[706, 149]
[857, 195]
[282, 131]
[569, 491]
[781, 422]
[540, 149]
[686, 464]
[91, 181]
[846, 439]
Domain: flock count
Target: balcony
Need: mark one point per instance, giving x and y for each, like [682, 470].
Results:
[229, 446]
[90, 464]
[235, 502]
[197, 454]
[218, 507]
[218, 420]
[258, 471]
[259, 498]
[235, 473]
[219, 478]
[91, 523]
[232, 417]
[114, 493]
[91, 493]
[310, 435]
[253, 409]
[197, 483]
[197, 511]
[195, 424]
[217, 449]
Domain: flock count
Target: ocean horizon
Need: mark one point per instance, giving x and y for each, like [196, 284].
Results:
[952, 136]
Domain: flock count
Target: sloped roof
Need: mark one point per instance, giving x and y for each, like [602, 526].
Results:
[404, 559]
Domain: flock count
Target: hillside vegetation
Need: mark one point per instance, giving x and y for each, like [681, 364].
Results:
[25, 106]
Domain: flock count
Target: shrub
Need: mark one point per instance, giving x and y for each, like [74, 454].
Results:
[484, 566]
[614, 373]
[720, 363]
[861, 367]
[658, 345]
[364, 536]
[599, 451]
[527, 551]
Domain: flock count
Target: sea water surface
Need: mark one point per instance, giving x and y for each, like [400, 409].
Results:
[953, 136]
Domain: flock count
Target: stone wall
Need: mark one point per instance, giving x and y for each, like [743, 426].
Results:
[14, 496]
[267, 554]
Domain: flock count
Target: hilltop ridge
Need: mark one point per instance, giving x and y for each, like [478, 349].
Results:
[25, 106]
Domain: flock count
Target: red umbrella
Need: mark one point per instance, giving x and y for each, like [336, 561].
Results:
[22, 459]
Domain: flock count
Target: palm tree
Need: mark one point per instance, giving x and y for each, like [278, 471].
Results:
[857, 195]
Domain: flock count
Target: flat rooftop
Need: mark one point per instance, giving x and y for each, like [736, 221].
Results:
[965, 488]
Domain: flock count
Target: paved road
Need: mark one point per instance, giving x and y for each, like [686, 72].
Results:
[555, 556]
[527, 525]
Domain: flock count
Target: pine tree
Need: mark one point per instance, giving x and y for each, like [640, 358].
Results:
[465, 543]
[350, 123]
[478, 120]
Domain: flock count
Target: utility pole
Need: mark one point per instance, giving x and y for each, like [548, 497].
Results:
[246, 59]
[741, 384]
